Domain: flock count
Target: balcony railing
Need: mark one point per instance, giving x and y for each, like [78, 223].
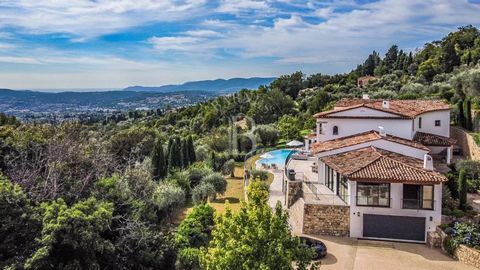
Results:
[316, 195]
[418, 204]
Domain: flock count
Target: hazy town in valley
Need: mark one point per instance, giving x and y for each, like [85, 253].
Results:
[239, 134]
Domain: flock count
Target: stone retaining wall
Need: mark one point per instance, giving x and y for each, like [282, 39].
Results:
[468, 255]
[326, 219]
[295, 217]
[294, 192]
[466, 142]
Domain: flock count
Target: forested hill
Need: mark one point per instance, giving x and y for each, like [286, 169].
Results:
[219, 85]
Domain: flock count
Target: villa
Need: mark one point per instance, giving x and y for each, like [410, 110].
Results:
[374, 171]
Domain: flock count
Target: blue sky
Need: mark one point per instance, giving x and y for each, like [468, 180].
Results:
[118, 43]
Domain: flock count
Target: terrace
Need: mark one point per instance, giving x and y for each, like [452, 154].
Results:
[306, 172]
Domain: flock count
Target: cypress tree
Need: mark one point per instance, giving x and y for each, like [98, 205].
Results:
[462, 179]
[461, 114]
[169, 147]
[185, 157]
[159, 167]
[191, 150]
[213, 161]
[175, 156]
[468, 114]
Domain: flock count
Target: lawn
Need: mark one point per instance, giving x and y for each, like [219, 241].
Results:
[234, 193]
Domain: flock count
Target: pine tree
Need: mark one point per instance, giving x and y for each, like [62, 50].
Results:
[185, 157]
[159, 166]
[462, 179]
[191, 150]
[449, 57]
[391, 58]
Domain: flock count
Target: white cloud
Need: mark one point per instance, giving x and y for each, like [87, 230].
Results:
[18, 60]
[84, 19]
[341, 37]
[236, 6]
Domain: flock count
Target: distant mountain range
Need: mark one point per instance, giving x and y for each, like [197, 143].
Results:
[219, 85]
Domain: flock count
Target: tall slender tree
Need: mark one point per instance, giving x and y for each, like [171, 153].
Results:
[159, 166]
[461, 114]
[191, 150]
[169, 147]
[175, 156]
[185, 157]
[468, 114]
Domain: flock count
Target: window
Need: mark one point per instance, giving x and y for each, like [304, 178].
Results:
[437, 123]
[418, 197]
[373, 194]
[335, 130]
[419, 122]
[342, 187]
[329, 180]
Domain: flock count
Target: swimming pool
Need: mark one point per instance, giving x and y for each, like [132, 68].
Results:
[278, 157]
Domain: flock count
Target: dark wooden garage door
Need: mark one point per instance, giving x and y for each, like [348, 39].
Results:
[394, 227]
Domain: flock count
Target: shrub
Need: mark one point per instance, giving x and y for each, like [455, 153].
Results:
[446, 212]
[229, 167]
[188, 259]
[449, 245]
[168, 197]
[217, 181]
[457, 213]
[259, 175]
[202, 193]
[181, 179]
[195, 229]
[462, 180]
[196, 174]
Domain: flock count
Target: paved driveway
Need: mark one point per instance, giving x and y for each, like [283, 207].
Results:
[351, 254]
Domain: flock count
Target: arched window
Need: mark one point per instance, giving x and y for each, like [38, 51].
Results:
[335, 130]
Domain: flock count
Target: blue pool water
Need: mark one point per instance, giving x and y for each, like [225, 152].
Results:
[279, 157]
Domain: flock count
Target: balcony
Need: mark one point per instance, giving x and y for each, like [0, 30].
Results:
[313, 192]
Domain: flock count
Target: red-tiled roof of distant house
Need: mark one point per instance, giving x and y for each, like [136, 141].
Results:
[359, 138]
[402, 108]
[371, 164]
[433, 139]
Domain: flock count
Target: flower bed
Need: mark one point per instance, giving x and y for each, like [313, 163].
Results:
[462, 241]
[462, 233]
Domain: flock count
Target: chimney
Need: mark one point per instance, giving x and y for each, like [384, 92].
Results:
[365, 96]
[382, 131]
[428, 162]
[386, 104]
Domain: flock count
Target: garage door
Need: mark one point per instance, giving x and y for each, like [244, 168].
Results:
[394, 227]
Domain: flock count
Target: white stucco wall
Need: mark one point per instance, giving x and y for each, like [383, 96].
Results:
[348, 126]
[428, 123]
[396, 193]
[366, 112]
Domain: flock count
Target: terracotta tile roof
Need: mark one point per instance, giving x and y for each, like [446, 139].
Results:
[402, 108]
[359, 138]
[376, 165]
[433, 139]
